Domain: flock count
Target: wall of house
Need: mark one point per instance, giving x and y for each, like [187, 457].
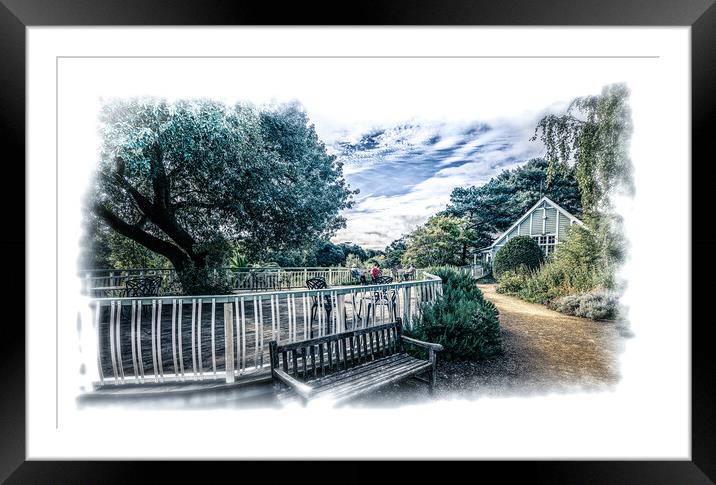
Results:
[535, 225]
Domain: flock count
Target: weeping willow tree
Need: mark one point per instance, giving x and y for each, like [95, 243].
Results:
[592, 138]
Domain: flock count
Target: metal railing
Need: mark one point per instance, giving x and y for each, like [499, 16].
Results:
[225, 337]
[107, 283]
[475, 270]
[111, 283]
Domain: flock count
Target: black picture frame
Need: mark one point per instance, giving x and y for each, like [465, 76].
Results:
[16, 15]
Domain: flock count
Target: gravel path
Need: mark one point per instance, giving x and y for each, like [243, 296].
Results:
[544, 352]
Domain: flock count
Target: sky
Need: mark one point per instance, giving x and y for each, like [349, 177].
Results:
[408, 130]
[406, 171]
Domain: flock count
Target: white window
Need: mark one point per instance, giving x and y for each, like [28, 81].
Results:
[546, 242]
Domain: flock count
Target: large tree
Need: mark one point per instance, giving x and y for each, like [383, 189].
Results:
[188, 178]
[592, 139]
[493, 207]
[442, 240]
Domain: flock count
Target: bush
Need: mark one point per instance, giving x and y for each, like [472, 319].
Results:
[518, 252]
[575, 268]
[460, 319]
[597, 305]
[512, 282]
[203, 281]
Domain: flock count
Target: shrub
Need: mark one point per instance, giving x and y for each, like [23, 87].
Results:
[512, 282]
[203, 281]
[575, 268]
[460, 319]
[518, 252]
[597, 305]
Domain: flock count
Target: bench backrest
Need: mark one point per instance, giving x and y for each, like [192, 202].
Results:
[337, 353]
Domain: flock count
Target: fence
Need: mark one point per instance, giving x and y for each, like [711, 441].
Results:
[225, 337]
[475, 270]
[111, 283]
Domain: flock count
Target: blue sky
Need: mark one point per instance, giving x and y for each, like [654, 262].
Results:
[406, 171]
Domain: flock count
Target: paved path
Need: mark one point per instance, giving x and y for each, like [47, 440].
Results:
[544, 352]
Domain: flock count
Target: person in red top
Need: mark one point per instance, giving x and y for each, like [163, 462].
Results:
[374, 272]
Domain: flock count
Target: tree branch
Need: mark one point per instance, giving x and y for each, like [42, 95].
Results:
[153, 243]
[160, 216]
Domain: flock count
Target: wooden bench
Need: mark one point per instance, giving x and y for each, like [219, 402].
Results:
[339, 367]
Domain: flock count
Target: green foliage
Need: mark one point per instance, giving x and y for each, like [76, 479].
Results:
[190, 178]
[597, 305]
[125, 253]
[593, 138]
[329, 254]
[512, 282]
[443, 240]
[574, 268]
[203, 281]
[518, 252]
[355, 250]
[378, 261]
[102, 248]
[493, 207]
[238, 258]
[353, 261]
[394, 252]
[462, 320]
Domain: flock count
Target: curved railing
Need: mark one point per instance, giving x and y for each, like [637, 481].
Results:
[225, 337]
[111, 283]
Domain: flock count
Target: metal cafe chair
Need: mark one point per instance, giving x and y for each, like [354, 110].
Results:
[385, 296]
[142, 286]
[319, 284]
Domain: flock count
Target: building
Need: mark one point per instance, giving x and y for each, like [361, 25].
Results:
[546, 222]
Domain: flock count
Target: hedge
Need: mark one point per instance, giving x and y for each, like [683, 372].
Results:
[519, 252]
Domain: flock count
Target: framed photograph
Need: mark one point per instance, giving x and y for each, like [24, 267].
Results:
[433, 234]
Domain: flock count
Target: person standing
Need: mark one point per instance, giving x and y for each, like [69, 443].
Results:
[374, 273]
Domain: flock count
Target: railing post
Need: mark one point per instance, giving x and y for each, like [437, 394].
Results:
[229, 342]
[406, 306]
[341, 304]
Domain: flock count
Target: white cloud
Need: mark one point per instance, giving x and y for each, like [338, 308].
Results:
[377, 219]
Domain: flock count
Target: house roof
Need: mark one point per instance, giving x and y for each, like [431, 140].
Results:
[526, 215]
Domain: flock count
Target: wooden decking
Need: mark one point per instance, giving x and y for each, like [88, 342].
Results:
[193, 347]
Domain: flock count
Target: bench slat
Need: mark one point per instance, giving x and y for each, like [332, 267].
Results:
[372, 381]
[374, 375]
[370, 377]
[332, 378]
[378, 384]
[363, 372]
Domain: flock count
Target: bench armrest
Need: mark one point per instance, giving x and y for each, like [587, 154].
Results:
[302, 389]
[420, 343]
